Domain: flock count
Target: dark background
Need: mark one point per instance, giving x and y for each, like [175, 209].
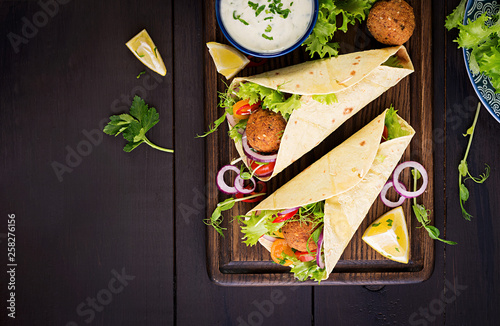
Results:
[118, 213]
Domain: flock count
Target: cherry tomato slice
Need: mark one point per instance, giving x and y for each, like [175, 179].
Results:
[256, 199]
[242, 109]
[262, 169]
[285, 217]
[304, 256]
[385, 134]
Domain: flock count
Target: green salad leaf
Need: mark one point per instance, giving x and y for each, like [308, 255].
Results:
[271, 99]
[393, 61]
[329, 13]
[304, 270]
[134, 126]
[481, 36]
[394, 128]
[258, 225]
[327, 99]
[234, 132]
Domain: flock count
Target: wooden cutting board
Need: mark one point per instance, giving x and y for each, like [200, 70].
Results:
[230, 262]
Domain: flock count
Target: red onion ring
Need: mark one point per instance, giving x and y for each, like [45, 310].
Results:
[221, 184]
[239, 185]
[386, 201]
[253, 155]
[231, 120]
[288, 211]
[269, 238]
[398, 186]
[319, 259]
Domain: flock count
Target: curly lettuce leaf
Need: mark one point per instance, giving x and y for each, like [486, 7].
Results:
[327, 99]
[456, 17]
[271, 99]
[394, 129]
[304, 270]
[258, 225]
[326, 25]
[393, 61]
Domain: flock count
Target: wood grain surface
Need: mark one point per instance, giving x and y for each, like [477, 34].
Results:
[233, 263]
[143, 211]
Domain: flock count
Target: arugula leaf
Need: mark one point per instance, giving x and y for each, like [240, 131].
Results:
[463, 170]
[135, 125]
[423, 215]
[394, 129]
[329, 10]
[327, 99]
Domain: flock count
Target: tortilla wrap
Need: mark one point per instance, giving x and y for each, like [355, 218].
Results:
[349, 178]
[356, 79]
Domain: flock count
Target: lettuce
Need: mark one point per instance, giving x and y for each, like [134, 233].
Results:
[258, 225]
[394, 129]
[304, 270]
[273, 100]
[326, 25]
[482, 38]
[327, 99]
[456, 17]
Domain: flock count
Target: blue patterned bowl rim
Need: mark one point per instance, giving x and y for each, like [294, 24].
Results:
[486, 83]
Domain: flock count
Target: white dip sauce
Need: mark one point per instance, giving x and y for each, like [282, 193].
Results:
[260, 33]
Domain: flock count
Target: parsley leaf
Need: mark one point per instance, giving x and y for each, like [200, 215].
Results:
[135, 125]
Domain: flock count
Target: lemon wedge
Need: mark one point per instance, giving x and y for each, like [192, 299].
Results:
[227, 59]
[143, 47]
[388, 235]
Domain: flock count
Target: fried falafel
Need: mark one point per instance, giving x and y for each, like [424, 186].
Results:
[264, 130]
[391, 22]
[296, 234]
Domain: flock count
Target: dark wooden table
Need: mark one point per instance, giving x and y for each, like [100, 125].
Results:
[117, 238]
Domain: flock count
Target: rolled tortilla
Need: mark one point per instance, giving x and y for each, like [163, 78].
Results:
[349, 178]
[356, 79]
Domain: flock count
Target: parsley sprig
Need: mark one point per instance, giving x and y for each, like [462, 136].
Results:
[463, 170]
[134, 126]
[423, 214]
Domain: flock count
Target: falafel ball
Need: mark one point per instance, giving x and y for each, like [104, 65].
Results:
[264, 130]
[391, 22]
[297, 233]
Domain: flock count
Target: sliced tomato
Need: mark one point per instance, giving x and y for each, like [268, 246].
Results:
[263, 186]
[385, 134]
[304, 256]
[283, 218]
[263, 169]
[242, 109]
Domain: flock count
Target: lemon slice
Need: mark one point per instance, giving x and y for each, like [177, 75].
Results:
[143, 47]
[227, 59]
[388, 235]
